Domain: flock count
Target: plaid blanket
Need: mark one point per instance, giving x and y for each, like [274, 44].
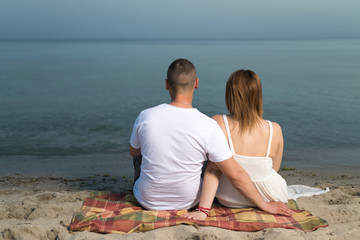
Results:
[106, 212]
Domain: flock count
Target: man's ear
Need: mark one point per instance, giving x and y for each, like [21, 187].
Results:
[197, 83]
[166, 84]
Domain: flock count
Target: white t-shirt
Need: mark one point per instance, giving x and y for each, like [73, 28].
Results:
[174, 144]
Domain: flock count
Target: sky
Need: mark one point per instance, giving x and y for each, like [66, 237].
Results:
[185, 19]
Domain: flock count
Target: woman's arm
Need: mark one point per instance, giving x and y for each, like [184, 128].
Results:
[209, 188]
[242, 182]
[278, 139]
[210, 183]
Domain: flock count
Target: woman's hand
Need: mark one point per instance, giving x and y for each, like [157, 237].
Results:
[195, 215]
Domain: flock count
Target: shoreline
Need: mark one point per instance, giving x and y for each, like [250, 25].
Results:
[42, 207]
[121, 164]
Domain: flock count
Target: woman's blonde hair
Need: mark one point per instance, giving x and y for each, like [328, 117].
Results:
[244, 98]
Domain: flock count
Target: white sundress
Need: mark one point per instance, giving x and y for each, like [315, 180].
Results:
[269, 183]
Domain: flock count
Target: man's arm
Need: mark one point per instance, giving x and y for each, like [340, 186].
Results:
[134, 152]
[242, 182]
[238, 178]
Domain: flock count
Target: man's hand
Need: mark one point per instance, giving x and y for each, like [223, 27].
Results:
[277, 208]
[195, 215]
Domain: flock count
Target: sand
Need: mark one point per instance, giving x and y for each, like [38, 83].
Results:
[42, 208]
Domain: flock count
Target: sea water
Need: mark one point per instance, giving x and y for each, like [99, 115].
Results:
[67, 107]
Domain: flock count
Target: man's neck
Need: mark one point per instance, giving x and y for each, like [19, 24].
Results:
[183, 101]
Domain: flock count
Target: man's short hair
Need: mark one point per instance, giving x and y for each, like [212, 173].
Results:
[181, 75]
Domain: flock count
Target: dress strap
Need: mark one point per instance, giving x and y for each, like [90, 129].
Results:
[270, 138]
[228, 134]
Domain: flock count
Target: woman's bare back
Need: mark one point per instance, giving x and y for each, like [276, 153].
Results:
[254, 143]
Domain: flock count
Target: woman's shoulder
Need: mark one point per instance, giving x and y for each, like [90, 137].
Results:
[217, 117]
[265, 122]
[277, 132]
[276, 126]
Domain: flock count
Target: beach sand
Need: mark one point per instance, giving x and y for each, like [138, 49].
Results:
[42, 208]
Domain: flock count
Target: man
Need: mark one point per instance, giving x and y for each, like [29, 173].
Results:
[175, 140]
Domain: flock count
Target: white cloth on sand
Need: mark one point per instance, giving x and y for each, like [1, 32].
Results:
[295, 191]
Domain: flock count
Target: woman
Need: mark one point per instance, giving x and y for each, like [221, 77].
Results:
[256, 144]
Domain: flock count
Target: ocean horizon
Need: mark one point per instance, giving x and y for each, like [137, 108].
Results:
[69, 105]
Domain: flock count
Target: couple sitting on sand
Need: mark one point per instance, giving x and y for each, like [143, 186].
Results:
[175, 140]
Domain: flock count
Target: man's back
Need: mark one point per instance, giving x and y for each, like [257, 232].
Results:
[174, 144]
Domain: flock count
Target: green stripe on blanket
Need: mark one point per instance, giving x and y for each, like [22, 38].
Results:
[107, 212]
